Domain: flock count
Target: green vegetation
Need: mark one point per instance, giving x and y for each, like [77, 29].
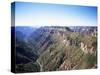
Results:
[29, 67]
[59, 49]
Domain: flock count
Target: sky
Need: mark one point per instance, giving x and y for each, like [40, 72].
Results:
[41, 14]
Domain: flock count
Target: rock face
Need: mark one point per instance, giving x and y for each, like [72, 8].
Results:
[65, 66]
[53, 48]
[86, 49]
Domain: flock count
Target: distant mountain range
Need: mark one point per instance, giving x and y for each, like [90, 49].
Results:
[24, 30]
[84, 29]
